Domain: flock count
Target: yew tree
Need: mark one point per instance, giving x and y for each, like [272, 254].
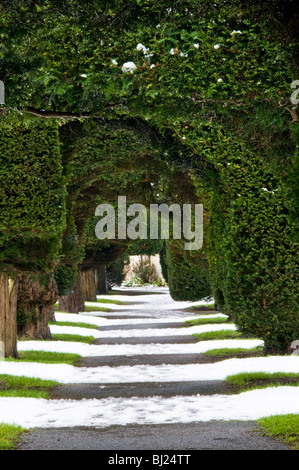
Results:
[32, 217]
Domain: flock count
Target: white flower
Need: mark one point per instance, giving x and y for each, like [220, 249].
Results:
[128, 67]
[171, 51]
[236, 32]
[141, 47]
[219, 80]
[196, 46]
[114, 62]
[216, 46]
[145, 50]
[268, 190]
[83, 75]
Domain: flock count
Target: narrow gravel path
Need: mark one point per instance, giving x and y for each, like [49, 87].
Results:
[211, 435]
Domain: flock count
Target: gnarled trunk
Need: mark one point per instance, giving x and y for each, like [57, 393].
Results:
[8, 315]
[35, 307]
[73, 302]
[89, 285]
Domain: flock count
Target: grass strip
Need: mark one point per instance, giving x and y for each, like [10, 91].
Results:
[46, 357]
[75, 338]
[9, 436]
[221, 334]
[20, 386]
[114, 301]
[90, 308]
[283, 427]
[76, 324]
[202, 307]
[256, 380]
[235, 352]
[205, 321]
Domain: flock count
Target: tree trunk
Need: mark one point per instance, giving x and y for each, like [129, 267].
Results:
[101, 280]
[74, 301]
[89, 285]
[8, 315]
[35, 307]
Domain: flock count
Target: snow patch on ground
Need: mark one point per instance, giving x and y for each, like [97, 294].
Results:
[31, 413]
[123, 349]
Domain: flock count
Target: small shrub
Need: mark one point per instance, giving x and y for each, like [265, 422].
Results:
[145, 271]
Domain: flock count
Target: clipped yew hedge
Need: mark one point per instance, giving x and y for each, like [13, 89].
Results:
[32, 195]
[254, 259]
[187, 273]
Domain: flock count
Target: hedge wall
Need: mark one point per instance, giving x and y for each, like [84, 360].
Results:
[187, 273]
[254, 261]
[32, 195]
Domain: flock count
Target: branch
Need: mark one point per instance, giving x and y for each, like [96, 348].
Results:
[56, 114]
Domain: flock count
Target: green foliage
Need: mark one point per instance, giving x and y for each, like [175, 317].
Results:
[32, 195]
[210, 94]
[254, 252]
[145, 271]
[293, 187]
[188, 273]
[70, 255]
[145, 247]
[115, 271]
[163, 262]
[65, 277]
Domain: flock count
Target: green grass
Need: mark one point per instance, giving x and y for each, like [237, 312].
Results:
[221, 334]
[202, 307]
[46, 357]
[19, 386]
[109, 301]
[76, 338]
[9, 435]
[256, 380]
[234, 352]
[77, 324]
[283, 427]
[90, 308]
[206, 321]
